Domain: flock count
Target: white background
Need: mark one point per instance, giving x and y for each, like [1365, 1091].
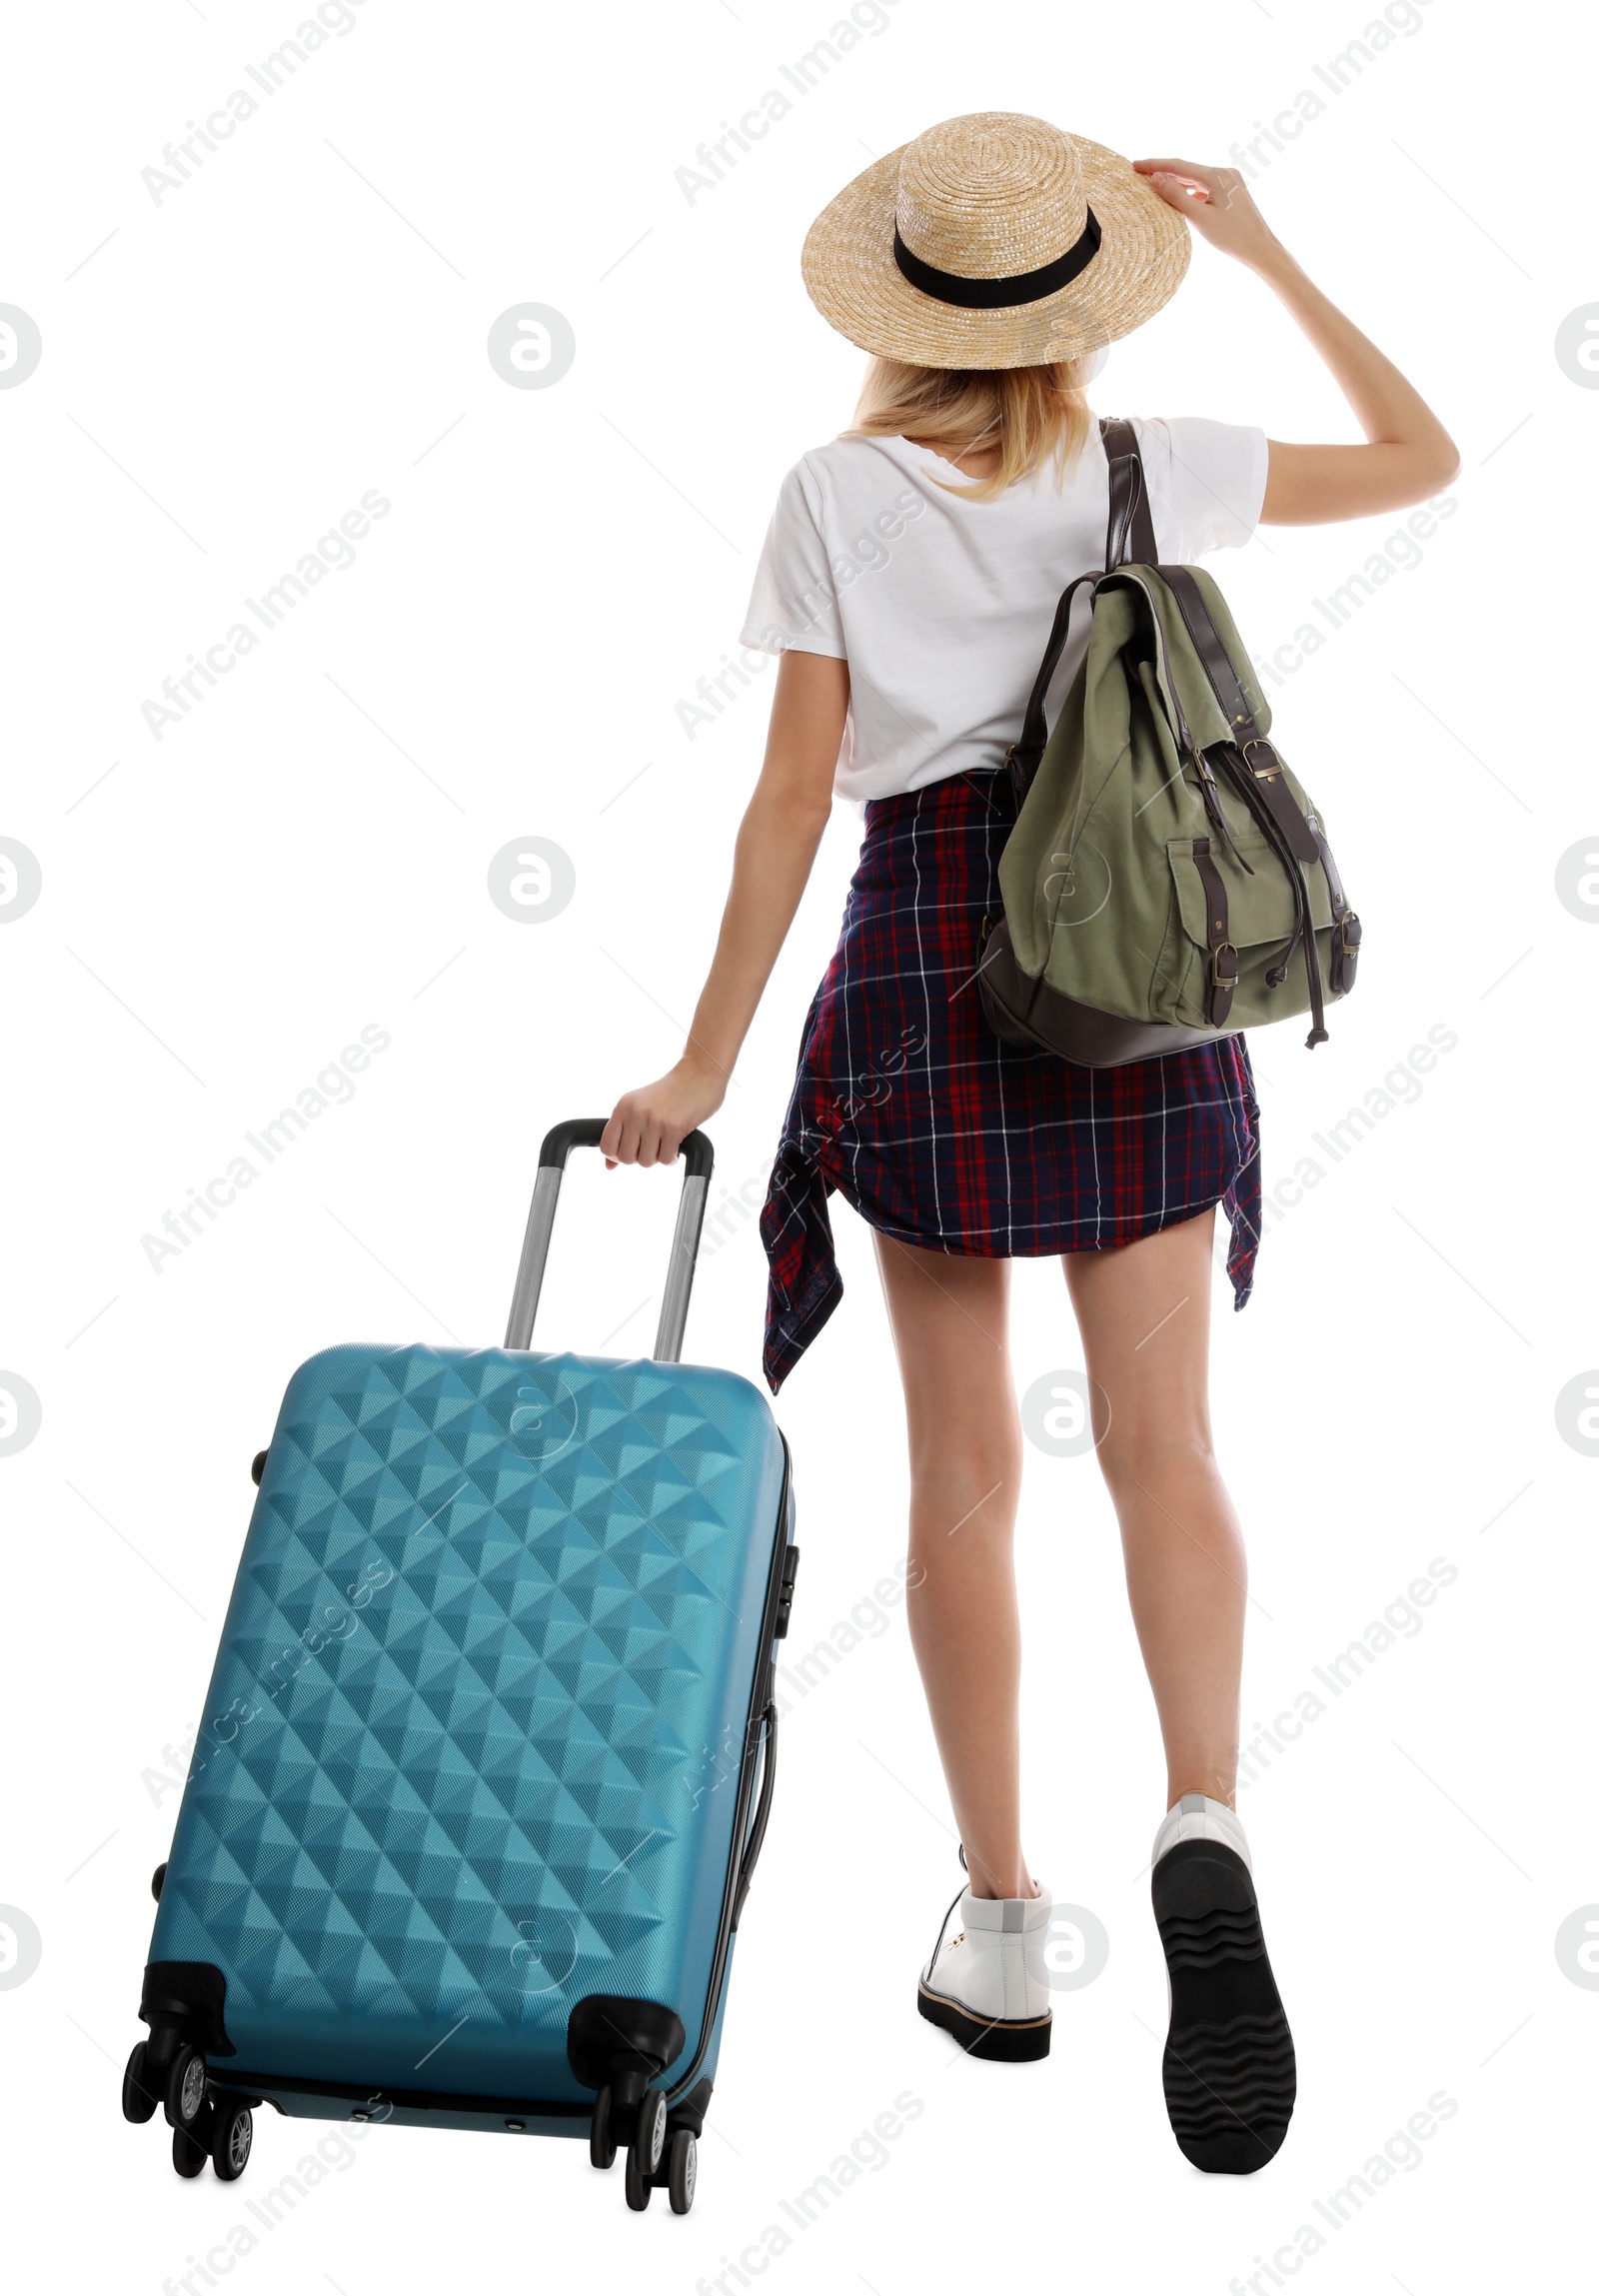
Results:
[223, 376]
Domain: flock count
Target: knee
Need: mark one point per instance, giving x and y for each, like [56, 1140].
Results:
[1133, 1452]
[977, 1483]
[972, 1434]
[963, 1520]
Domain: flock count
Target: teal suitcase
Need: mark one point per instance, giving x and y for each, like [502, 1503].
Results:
[489, 1749]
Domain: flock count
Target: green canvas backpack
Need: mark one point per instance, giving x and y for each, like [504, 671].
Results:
[1167, 882]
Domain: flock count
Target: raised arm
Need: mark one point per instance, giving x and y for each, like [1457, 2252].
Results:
[1409, 454]
[778, 841]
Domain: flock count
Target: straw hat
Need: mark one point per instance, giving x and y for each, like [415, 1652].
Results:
[993, 240]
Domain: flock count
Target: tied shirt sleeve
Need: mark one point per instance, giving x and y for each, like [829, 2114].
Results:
[1207, 480]
[794, 607]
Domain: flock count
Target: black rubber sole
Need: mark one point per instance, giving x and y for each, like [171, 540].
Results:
[1229, 2068]
[1020, 2043]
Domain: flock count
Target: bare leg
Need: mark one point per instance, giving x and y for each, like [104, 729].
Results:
[1145, 1315]
[948, 1317]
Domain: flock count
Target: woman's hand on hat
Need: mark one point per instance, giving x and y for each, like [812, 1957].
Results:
[1216, 202]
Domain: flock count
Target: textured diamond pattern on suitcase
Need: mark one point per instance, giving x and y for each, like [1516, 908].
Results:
[470, 1751]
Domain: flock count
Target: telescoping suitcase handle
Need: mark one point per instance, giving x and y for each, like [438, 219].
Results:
[559, 1142]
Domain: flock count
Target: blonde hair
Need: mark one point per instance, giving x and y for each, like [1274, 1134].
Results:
[1033, 415]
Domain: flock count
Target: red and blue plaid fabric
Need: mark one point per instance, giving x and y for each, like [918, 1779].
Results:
[941, 1135]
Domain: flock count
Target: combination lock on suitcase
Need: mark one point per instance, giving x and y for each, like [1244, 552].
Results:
[489, 1750]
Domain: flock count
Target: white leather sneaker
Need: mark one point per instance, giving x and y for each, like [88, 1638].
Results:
[988, 1985]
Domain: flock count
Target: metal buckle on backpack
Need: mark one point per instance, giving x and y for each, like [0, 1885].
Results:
[1268, 772]
[1220, 979]
[1349, 934]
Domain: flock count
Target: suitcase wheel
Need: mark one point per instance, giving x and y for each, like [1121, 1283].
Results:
[186, 2092]
[229, 2139]
[156, 1879]
[139, 2101]
[602, 2144]
[191, 2149]
[258, 1466]
[644, 2153]
[682, 2154]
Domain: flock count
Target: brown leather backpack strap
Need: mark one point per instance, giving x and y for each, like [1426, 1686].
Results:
[1131, 534]
[1021, 759]
[1256, 772]
[1345, 923]
[1222, 977]
[1260, 757]
[1131, 522]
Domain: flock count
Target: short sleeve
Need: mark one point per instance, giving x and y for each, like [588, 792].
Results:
[794, 607]
[1208, 478]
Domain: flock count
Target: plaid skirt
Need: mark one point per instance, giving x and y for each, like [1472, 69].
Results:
[944, 1137]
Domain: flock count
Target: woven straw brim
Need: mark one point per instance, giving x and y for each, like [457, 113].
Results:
[851, 277]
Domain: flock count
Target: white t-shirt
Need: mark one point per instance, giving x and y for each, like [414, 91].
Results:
[941, 606]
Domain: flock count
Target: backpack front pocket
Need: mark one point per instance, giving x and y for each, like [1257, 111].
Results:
[1258, 925]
